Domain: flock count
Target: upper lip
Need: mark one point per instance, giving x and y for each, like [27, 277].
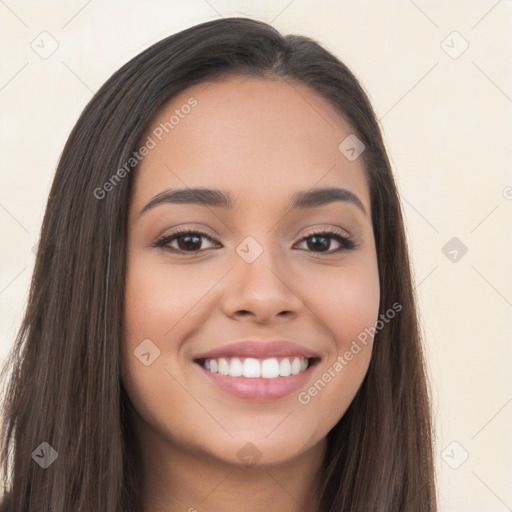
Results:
[259, 350]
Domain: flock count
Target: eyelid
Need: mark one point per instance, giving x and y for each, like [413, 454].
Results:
[203, 233]
[326, 229]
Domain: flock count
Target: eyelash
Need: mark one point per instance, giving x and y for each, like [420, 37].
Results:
[347, 243]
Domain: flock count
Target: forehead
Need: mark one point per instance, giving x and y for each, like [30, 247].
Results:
[261, 139]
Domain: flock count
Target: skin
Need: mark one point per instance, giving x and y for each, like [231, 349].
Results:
[261, 141]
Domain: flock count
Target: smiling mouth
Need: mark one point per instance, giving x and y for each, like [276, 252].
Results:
[252, 368]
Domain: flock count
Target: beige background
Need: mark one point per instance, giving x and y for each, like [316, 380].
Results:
[447, 120]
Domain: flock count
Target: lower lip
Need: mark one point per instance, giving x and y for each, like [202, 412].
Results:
[258, 389]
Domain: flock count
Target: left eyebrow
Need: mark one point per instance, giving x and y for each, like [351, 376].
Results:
[217, 198]
[200, 196]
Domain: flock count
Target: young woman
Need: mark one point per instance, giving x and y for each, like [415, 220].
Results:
[222, 309]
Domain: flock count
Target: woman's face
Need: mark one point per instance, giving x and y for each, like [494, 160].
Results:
[255, 272]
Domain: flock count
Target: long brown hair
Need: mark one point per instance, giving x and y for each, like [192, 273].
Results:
[65, 388]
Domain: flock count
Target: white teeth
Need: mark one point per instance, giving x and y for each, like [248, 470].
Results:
[296, 366]
[235, 368]
[285, 368]
[223, 366]
[270, 368]
[252, 368]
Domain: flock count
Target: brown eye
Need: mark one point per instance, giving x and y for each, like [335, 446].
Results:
[190, 241]
[187, 241]
[321, 241]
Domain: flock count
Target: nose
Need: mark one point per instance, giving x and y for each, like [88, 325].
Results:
[261, 291]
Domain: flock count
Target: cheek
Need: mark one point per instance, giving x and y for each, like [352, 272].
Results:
[158, 298]
[164, 304]
[346, 300]
[154, 313]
